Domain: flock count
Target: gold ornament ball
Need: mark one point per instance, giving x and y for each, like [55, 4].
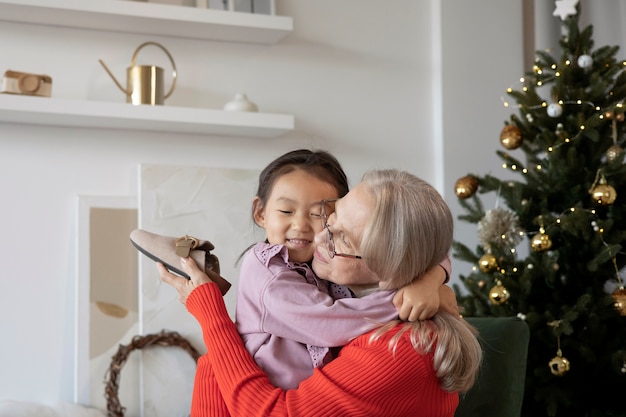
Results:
[466, 186]
[487, 262]
[559, 365]
[619, 296]
[511, 137]
[604, 194]
[541, 242]
[499, 294]
[614, 153]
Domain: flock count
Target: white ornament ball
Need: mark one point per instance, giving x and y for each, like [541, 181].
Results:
[555, 110]
[585, 61]
[559, 128]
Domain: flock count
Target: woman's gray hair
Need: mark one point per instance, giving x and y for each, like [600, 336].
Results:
[409, 232]
[411, 228]
[457, 353]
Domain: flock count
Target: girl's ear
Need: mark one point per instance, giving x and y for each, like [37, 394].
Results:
[258, 212]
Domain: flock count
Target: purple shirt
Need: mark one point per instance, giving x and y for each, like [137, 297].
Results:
[288, 320]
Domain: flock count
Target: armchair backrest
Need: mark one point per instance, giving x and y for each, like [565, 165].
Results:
[499, 389]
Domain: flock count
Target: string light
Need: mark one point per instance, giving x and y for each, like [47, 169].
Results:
[558, 221]
[538, 71]
[618, 277]
[563, 138]
[572, 210]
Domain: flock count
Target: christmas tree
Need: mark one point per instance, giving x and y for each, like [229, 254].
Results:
[551, 250]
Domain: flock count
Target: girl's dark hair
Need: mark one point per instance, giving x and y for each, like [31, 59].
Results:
[320, 164]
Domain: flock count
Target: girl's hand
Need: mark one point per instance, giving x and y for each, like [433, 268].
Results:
[419, 300]
[414, 302]
[447, 300]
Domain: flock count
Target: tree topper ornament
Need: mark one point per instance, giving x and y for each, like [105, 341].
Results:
[565, 8]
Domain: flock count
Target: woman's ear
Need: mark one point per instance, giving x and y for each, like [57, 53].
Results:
[258, 212]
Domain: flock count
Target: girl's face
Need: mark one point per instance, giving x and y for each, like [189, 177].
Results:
[347, 225]
[291, 216]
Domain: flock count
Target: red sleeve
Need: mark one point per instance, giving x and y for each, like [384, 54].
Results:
[207, 400]
[365, 380]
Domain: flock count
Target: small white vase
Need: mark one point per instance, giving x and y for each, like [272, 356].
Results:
[240, 103]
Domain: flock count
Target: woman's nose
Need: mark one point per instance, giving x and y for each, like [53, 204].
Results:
[320, 237]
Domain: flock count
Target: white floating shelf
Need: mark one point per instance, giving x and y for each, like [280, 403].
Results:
[149, 18]
[107, 115]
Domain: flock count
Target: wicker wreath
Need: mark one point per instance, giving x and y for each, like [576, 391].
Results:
[118, 360]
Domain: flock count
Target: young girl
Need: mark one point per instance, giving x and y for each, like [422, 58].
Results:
[288, 318]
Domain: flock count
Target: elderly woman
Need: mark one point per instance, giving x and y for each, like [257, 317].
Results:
[399, 226]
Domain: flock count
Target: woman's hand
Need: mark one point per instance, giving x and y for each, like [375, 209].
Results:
[182, 285]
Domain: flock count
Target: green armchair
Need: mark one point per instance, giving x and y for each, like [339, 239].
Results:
[499, 389]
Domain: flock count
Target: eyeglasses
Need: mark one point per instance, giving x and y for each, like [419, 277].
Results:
[330, 243]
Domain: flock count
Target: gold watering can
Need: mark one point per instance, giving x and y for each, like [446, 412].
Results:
[145, 82]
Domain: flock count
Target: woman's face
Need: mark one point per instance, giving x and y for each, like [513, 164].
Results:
[347, 224]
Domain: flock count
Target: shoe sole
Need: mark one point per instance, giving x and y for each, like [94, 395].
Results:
[154, 258]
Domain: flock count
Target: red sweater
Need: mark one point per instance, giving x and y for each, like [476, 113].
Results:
[366, 379]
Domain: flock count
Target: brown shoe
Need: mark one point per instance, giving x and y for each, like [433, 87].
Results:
[169, 250]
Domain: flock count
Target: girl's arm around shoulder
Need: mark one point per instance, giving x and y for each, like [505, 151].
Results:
[287, 300]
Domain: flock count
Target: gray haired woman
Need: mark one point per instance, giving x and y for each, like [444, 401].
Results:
[399, 226]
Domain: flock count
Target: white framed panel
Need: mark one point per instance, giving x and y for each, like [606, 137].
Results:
[105, 274]
[209, 203]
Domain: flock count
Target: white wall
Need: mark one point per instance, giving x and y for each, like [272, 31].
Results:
[482, 56]
[357, 74]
